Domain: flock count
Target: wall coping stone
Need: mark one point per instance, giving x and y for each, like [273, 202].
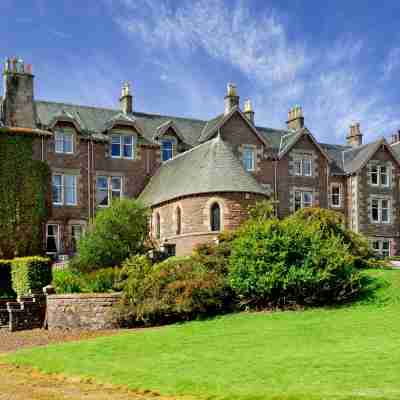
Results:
[78, 296]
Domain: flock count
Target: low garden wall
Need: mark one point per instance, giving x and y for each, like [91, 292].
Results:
[82, 311]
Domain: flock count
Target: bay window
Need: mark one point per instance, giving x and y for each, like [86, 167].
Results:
[336, 200]
[52, 238]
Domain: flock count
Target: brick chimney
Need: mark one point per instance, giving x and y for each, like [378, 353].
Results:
[248, 111]
[231, 98]
[295, 119]
[126, 101]
[18, 105]
[354, 138]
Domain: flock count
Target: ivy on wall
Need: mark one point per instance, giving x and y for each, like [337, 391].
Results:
[23, 194]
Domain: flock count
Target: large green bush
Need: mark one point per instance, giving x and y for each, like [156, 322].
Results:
[6, 290]
[294, 261]
[179, 288]
[30, 274]
[117, 233]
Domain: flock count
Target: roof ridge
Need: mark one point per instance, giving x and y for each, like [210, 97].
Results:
[117, 110]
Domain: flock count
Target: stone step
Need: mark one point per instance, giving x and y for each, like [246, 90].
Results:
[4, 327]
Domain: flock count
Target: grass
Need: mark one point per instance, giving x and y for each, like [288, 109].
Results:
[343, 353]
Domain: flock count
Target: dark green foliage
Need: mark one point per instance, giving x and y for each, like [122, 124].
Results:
[296, 261]
[117, 233]
[23, 192]
[72, 281]
[332, 223]
[179, 288]
[30, 274]
[6, 290]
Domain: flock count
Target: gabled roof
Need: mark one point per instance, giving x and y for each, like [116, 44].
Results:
[210, 167]
[355, 159]
[164, 127]
[211, 128]
[66, 116]
[288, 141]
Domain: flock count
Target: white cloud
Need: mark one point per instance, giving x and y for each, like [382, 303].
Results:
[332, 84]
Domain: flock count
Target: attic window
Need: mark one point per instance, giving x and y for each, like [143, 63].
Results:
[249, 158]
[167, 147]
[123, 146]
[64, 142]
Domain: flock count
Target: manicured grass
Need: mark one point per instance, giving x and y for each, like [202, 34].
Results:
[344, 353]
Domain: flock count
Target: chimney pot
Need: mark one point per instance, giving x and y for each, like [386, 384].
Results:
[355, 136]
[231, 99]
[295, 118]
[248, 111]
[126, 100]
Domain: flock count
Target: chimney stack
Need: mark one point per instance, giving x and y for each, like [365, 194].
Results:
[248, 111]
[354, 138]
[395, 137]
[125, 100]
[295, 119]
[18, 106]
[231, 98]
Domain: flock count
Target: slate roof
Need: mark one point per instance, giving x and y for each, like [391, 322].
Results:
[94, 122]
[207, 168]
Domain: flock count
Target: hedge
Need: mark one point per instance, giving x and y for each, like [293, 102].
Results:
[6, 290]
[30, 274]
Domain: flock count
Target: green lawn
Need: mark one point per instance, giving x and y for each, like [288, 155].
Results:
[346, 353]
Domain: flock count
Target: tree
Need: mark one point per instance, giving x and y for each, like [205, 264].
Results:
[117, 233]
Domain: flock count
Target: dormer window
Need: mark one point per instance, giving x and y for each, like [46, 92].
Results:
[167, 149]
[64, 142]
[123, 146]
[249, 158]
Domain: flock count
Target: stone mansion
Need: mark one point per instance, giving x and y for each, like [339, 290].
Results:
[198, 177]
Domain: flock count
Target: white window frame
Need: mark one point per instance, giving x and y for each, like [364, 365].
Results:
[63, 190]
[380, 208]
[299, 168]
[110, 189]
[73, 238]
[379, 250]
[121, 143]
[303, 203]
[247, 151]
[379, 173]
[57, 237]
[336, 186]
[59, 137]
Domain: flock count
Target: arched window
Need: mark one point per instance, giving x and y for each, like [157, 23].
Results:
[215, 217]
[158, 226]
[178, 220]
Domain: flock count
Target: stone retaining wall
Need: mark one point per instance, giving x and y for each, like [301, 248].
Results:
[84, 311]
[28, 312]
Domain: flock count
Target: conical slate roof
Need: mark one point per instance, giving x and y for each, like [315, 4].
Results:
[209, 167]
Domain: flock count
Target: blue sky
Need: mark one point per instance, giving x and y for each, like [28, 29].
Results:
[339, 60]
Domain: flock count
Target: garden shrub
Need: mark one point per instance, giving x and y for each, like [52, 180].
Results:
[179, 288]
[281, 263]
[30, 274]
[6, 290]
[118, 232]
[69, 280]
[332, 222]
